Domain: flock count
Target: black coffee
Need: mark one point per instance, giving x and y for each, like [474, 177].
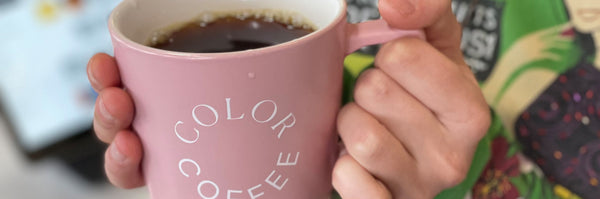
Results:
[230, 33]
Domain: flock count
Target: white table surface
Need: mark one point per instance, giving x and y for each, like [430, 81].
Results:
[48, 178]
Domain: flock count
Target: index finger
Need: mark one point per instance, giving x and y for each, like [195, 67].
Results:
[103, 72]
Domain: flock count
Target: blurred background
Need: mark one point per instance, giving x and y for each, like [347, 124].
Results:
[47, 147]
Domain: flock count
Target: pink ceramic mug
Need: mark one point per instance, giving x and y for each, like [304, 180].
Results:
[250, 124]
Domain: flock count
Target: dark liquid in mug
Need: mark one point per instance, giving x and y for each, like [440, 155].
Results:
[229, 34]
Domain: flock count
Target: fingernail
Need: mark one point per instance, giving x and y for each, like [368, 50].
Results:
[91, 75]
[116, 154]
[404, 7]
[108, 118]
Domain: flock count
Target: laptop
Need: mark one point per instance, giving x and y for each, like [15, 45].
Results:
[44, 92]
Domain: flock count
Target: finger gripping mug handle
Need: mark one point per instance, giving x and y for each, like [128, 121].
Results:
[375, 32]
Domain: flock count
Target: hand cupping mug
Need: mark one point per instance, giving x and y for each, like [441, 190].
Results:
[238, 114]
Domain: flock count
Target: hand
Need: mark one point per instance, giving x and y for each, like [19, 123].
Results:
[112, 120]
[419, 114]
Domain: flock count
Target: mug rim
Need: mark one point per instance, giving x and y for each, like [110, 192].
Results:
[117, 35]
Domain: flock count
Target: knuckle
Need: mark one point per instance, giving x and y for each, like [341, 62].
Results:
[481, 121]
[372, 85]
[484, 120]
[362, 141]
[400, 54]
[339, 174]
[452, 170]
[365, 145]
[455, 176]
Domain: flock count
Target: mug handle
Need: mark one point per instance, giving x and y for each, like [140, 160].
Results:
[375, 32]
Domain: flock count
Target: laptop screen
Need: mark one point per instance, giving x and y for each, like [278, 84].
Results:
[44, 48]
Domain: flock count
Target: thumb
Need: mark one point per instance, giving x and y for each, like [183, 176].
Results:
[435, 17]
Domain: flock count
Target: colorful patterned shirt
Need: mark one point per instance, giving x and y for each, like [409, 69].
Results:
[535, 61]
